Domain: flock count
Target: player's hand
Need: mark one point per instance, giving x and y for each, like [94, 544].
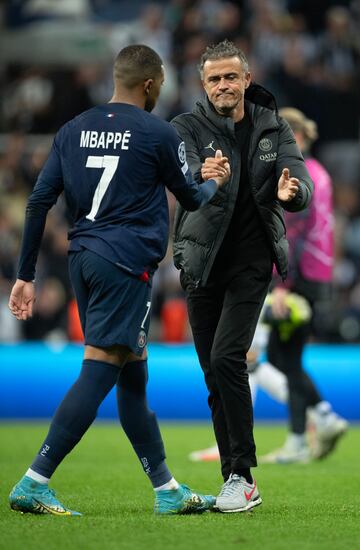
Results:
[278, 306]
[287, 187]
[217, 168]
[22, 299]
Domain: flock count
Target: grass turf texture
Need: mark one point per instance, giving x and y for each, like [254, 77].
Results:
[315, 506]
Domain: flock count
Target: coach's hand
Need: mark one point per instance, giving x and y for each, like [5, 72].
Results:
[22, 299]
[287, 187]
[217, 168]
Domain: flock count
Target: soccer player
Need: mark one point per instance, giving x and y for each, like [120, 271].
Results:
[113, 163]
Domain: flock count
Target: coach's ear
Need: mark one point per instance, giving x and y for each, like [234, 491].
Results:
[148, 85]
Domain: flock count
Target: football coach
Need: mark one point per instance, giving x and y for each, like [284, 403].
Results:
[227, 249]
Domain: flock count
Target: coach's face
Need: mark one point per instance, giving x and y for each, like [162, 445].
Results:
[152, 90]
[225, 82]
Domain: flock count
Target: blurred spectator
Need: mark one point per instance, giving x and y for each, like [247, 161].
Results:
[337, 50]
[27, 103]
[30, 11]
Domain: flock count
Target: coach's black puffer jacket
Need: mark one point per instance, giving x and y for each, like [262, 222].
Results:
[198, 235]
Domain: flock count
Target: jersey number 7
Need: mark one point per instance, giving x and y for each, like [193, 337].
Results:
[109, 163]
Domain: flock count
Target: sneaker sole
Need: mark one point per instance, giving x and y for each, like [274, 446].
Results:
[16, 508]
[247, 508]
[182, 512]
[41, 510]
[331, 444]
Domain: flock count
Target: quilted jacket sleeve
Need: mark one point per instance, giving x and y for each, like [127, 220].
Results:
[289, 156]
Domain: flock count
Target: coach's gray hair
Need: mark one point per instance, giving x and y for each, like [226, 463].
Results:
[223, 50]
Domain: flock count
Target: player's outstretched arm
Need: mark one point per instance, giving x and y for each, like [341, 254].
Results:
[177, 176]
[47, 189]
[22, 299]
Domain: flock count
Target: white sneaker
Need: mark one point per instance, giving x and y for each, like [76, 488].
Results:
[205, 455]
[328, 430]
[295, 450]
[237, 495]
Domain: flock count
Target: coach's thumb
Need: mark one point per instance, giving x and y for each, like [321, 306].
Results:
[286, 173]
[218, 154]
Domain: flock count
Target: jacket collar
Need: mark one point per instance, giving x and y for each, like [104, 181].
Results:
[260, 104]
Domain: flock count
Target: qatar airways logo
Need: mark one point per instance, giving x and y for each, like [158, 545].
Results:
[268, 157]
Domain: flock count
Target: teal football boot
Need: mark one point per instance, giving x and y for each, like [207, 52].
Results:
[36, 498]
[182, 501]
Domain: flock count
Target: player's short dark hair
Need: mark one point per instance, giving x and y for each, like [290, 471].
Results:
[137, 63]
[223, 50]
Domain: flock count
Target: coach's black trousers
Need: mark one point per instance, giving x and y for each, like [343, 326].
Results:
[223, 317]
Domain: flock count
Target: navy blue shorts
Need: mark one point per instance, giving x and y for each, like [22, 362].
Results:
[114, 307]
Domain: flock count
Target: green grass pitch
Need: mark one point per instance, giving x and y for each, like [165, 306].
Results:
[315, 506]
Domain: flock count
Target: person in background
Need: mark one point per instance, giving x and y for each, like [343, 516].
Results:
[311, 256]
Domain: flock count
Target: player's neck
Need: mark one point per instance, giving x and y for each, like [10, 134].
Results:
[130, 98]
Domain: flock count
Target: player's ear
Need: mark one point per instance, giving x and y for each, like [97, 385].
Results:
[148, 85]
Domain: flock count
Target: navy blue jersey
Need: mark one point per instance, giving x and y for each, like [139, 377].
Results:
[113, 163]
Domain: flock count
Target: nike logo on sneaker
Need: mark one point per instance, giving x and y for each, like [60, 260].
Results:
[250, 494]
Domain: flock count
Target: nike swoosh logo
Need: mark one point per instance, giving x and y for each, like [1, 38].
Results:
[250, 494]
[56, 512]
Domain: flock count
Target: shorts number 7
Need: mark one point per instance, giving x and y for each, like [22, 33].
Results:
[148, 306]
[110, 164]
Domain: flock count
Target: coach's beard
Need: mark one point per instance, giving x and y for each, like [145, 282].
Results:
[225, 110]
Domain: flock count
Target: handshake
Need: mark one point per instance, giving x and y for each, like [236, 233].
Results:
[218, 168]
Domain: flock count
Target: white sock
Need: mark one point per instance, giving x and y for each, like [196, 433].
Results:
[169, 486]
[37, 477]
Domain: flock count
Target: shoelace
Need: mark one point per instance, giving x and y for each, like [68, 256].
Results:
[230, 486]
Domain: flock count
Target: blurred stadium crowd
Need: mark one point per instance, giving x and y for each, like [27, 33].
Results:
[55, 62]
